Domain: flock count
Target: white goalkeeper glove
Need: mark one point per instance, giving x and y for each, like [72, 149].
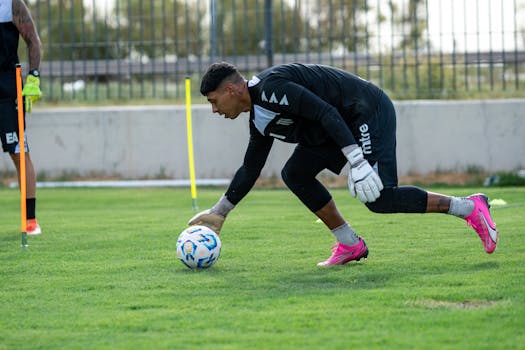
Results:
[213, 218]
[209, 219]
[362, 180]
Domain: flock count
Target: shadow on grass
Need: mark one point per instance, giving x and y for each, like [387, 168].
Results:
[312, 279]
[323, 280]
[10, 237]
[488, 265]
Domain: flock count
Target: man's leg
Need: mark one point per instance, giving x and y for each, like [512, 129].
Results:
[30, 174]
[9, 126]
[32, 225]
[437, 203]
[410, 199]
[299, 175]
[330, 216]
[440, 203]
[350, 246]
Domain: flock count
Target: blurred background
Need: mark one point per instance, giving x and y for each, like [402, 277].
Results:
[122, 51]
[113, 82]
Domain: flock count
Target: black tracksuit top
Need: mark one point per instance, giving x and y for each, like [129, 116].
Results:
[301, 103]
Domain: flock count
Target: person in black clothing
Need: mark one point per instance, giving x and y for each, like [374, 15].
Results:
[334, 117]
[16, 21]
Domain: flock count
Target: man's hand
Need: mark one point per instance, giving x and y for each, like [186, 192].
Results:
[209, 219]
[31, 92]
[362, 180]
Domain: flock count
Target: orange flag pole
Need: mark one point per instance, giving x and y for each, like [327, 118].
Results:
[21, 143]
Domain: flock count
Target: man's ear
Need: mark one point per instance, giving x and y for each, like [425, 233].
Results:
[233, 89]
[229, 88]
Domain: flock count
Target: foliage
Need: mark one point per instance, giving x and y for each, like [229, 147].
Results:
[159, 42]
[136, 29]
[413, 22]
[435, 77]
[79, 34]
[506, 179]
[156, 28]
[346, 23]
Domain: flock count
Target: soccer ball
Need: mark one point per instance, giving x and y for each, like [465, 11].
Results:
[198, 247]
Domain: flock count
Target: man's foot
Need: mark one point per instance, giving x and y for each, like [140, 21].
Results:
[482, 223]
[345, 253]
[33, 228]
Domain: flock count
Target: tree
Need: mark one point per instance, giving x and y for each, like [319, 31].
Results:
[159, 28]
[413, 22]
[240, 26]
[70, 31]
[340, 22]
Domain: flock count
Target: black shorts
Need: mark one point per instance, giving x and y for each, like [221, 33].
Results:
[377, 137]
[9, 114]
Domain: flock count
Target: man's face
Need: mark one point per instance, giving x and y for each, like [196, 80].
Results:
[224, 100]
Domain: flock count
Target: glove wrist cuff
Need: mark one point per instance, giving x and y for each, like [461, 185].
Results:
[222, 207]
[354, 154]
[33, 79]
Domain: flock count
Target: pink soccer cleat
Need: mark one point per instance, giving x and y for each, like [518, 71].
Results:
[482, 223]
[341, 254]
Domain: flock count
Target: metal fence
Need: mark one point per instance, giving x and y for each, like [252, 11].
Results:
[120, 50]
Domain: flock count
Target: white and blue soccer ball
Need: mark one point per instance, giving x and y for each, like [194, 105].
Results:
[198, 247]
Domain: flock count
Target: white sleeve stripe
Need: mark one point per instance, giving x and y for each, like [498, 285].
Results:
[262, 117]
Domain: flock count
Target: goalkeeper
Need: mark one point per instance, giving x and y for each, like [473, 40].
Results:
[16, 21]
[335, 118]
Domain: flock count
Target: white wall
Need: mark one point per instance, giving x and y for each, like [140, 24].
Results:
[137, 142]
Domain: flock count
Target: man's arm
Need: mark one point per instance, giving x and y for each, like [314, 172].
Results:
[363, 181]
[26, 27]
[242, 182]
[254, 160]
[304, 103]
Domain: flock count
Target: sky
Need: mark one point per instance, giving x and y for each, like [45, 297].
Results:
[475, 24]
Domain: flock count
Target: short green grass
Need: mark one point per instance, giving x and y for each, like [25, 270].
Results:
[104, 275]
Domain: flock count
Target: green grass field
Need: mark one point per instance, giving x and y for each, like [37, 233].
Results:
[104, 275]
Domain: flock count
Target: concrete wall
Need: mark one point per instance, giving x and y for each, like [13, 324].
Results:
[150, 141]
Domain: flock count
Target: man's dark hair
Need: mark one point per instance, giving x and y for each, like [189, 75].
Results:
[216, 74]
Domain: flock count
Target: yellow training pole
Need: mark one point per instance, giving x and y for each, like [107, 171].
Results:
[21, 143]
[189, 132]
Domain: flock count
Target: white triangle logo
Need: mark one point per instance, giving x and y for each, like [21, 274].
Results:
[273, 99]
[263, 97]
[284, 101]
